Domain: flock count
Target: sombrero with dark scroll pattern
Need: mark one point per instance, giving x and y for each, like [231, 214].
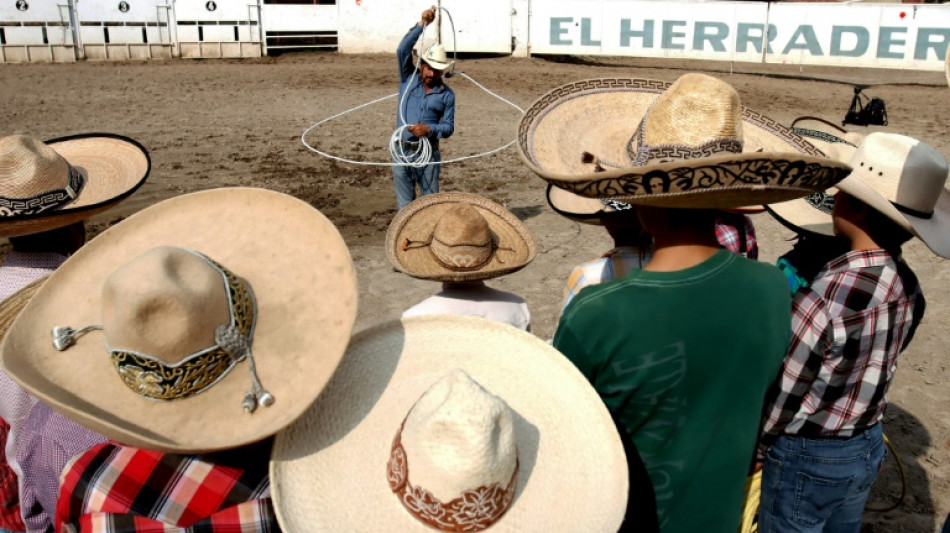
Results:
[693, 145]
[223, 314]
[812, 213]
[44, 186]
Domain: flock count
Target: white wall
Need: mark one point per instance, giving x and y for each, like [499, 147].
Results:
[376, 26]
[871, 35]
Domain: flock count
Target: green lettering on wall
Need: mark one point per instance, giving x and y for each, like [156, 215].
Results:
[886, 39]
[752, 34]
[862, 35]
[558, 29]
[925, 41]
[809, 41]
[585, 34]
[713, 32]
[668, 35]
[645, 35]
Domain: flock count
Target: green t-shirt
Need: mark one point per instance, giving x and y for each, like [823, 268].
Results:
[683, 360]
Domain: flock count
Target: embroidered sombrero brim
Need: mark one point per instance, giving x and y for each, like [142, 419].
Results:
[515, 247]
[600, 116]
[305, 288]
[812, 213]
[328, 470]
[589, 210]
[114, 167]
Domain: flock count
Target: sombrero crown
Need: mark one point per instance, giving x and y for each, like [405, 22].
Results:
[687, 149]
[44, 186]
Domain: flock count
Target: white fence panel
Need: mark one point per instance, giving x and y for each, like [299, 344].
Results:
[218, 28]
[870, 35]
[35, 30]
[124, 29]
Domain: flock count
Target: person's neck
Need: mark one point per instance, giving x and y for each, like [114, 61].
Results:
[673, 253]
[861, 242]
[462, 284]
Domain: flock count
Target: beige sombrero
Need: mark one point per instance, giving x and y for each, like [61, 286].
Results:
[812, 213]
[331, 470]
[584, 137]
[11, 307]
[458, 237]
[44, 186]
[267, 269]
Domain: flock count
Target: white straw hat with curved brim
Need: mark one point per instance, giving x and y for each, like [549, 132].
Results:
[329, 469]
[436, 57]
[812, 214]
[109, 168]
[425, 238]
[304, 293]
[581, 137]
[905, 180]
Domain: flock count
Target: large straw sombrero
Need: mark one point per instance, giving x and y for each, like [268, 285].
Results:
[44, 186]
[11, 307]
[812, 213]
[425, 239]
[329, 469]
[297, 284]
[582, 137]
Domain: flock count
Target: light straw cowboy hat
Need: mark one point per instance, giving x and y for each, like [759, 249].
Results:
[436, 57]
[692, 145]
[211, 304]
[469, 398]
[44, 186]
[457, 237]
[812, 213]
[905, 180]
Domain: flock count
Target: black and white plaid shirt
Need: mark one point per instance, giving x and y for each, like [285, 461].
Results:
[847, 329]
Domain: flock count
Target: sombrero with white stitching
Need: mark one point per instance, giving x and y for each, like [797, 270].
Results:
[329, 470]
[48, 185]
[697, 147]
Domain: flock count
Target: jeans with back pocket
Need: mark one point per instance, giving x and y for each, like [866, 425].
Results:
[819, 485]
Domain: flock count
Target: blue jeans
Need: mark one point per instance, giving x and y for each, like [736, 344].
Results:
[819, 485]
[405, 179]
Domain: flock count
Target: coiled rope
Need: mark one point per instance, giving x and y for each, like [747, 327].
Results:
[422, 155]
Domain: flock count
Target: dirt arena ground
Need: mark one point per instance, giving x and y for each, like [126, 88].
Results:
[214, 123]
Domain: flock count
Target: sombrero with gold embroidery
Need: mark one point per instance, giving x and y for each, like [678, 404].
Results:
[451, 423]
[204, 322]
[686, 144]
[48, 185]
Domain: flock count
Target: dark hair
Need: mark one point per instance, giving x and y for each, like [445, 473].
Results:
[64, 240]
[680, 218]
[881, 229]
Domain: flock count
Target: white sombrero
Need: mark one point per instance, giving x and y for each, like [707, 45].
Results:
[210, 304]
[44, 186]
[333, 469]
[678, 145]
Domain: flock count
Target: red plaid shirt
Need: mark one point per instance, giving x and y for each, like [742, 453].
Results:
[119, 489]
[736, 233]
[847, 329]
[9, 492]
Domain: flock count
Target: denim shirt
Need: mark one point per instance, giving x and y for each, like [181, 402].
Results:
[435, 109]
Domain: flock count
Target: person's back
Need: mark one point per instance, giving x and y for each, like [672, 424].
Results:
[683, 360]
[475, 299]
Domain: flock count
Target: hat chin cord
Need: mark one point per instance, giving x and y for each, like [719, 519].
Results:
[401, 156]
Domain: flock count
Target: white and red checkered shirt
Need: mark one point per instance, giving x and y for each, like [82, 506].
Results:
[847, 329]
